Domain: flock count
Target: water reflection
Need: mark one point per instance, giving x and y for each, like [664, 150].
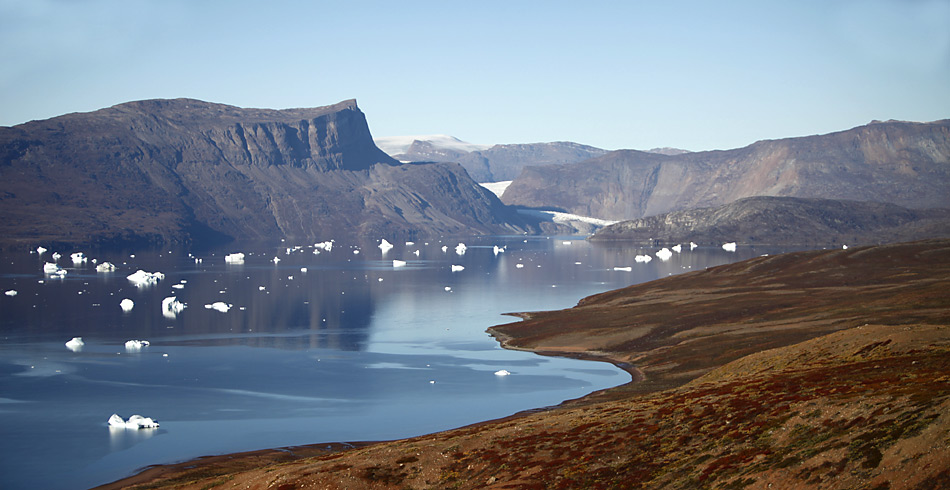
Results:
[121, 438]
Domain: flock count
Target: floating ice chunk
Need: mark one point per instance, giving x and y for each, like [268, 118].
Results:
[519, 266]
[623, 269]
[385, 246]
[275, 260]
[219, 306]
[566, 242]
[445, 248]
[57, 255]
[171, 307]
[324, 245]
[78, 257]
[126, 304]
[503, 372]
[356, 252]
[105, 267]
[261, 288]
[729, 247]
[448, 289]
[178, 286]
[497, 250]
[40, 250]
[399, 263]
[134, 422]
[50, 268]
[458, 268]
[10, 292]
[460, 249]
[409, 244]
[141, 278]
[136, 345]
[235, 258]
[303, 269]
[664, 254]
[844, 247]
[692, 245]
[75, 344]
[642, 259]
[677, 248]
[416, 253]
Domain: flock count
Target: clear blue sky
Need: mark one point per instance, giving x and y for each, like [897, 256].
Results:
[695, 75]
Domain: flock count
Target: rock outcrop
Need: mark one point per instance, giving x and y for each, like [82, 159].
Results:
[786, 221]
[160, 171]
[904, 163]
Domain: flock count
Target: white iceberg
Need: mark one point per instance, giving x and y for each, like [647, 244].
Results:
[40, 250]
[78, 257]
[844, 247]
[460, 249]
[623, 269]
[303, 269]
[642, 259]
[324, 245]
[141, 278]
[51, 268]
[692, 245]
[178, 286]
[664, 254]
[503, 372]
[385, 246]
[445, 248]
[519, 266]
[219, 306]
[171, 307]
[448, 289]
[57, 255]
[75, 344]
[677, 248]
[105, 267]
[136, 345]
[458, 268]
[729, 247]
[399, 263]
[409, 244]
[10, 292]
[126, 304]
[134, 422]
[235, 258]
[276, 260]
[497, 250]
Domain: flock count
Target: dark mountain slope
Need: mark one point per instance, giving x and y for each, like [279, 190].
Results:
[184, 170]
[904, 163]
[786, 221]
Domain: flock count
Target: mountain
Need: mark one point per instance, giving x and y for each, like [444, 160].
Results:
[904, 163]
[169, 171]
[786, 221]
[485, 163]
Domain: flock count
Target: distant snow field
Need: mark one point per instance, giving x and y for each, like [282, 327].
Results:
[394, 145]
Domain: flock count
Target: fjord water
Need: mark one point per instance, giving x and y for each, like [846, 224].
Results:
[335, 346]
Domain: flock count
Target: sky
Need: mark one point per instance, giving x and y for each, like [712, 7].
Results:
[696, 75]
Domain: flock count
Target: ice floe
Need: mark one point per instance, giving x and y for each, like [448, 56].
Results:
[275, 260]
[642, 259]
[399, 263]
[445, 248]
[497, 250]
[126, 304]
[502, 372]
[664, 254]
[75, 344]
[141, 278]
[623, 269]
[328, 246]
[53, 269]
[729, 247]
[134, 422]
[385, 246]
[677, 248]
[105, 267]
[692, 245]
[235, 258]
[136, 345]
[519, 266]
[219, 306]
[844, 247]
[10, 292]
[171, 307]
[460, 249]
[57, 255]
[41, 250]
[457, 268]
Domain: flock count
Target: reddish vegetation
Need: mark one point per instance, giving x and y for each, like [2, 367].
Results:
[826, 369]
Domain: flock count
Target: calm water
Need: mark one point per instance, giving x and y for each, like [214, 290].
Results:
[350, 349]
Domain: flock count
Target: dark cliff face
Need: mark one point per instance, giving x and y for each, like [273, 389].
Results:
[903, 163]
[185, 170]
[786, 221]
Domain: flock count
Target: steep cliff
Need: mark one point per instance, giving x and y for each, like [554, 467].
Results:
[185, 170]
[786, 221]
[899, 162]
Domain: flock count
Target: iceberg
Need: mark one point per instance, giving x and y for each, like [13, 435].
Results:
[692, 245]
[445, 248]
[497, 250]
[729, 247]
[235, 258]
[844, 247]
[385, 246]
[141, 278]
[57, 255]
[126, 304]
[503, 372]
[642, 259]
[10, 292]
[460, 249]
[624, 269]
[105, 267]
[275, 260]
[75, 344]
[78, 257]
[50, 268]
[324, 245]
[458, 268]
[399, 263]
[664, 254]
[677, 248]
[134, 422]
[219, 306]
[40, 250]
[409, 244]
[136, 345]
[519, 266]
[178, 286]
[171, 307]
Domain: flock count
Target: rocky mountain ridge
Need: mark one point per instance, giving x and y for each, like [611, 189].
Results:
[786, 221]
[904, 163]
[183, 170]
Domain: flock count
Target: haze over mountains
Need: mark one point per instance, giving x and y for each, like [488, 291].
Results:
[185, 170]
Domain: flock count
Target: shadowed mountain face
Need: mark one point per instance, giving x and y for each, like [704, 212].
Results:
[786, 221]
[907, 164]
[185, 170]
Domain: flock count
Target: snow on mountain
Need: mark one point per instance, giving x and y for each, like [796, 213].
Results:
[395, 145]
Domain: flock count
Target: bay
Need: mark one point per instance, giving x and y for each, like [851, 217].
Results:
[337, 345]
